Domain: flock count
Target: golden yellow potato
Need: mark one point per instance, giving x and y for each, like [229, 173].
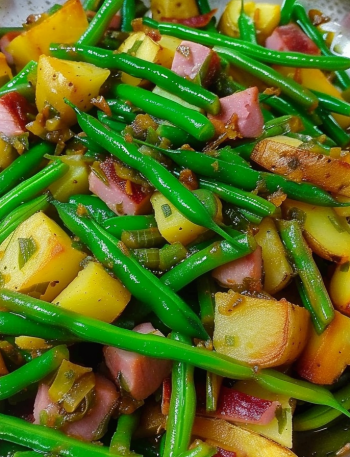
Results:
[95, 293]
[65, 26]
[180, 9]
[243, 442]
[326, 233]
[173, 226]
[39, 253]
[259, 332]
[339, 288]
[326, 356]
[57, 79]
[277, 270]
[265, 16]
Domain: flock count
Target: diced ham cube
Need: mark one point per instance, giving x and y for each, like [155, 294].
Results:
[120, 195]
[14, 109]
[141, 375]
[91, 426]
[43, 403]
[235, 272]
[241, 108]
[290, 37]
[195, 61]
[236, 406]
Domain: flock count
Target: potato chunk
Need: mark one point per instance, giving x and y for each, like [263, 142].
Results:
[64, 26]
[57, 79]
[95, 293]
[232, 438]
[260, 332]
[39, 253]
[300, 164]
[327, 234]
[326, 356]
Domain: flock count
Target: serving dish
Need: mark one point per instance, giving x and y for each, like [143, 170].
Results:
[13, 11]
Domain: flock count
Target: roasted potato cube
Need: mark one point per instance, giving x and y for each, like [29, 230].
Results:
[64, 26]
[260, 332]
[39, 255]
[57, 79]
[94, 293]
[327, 234]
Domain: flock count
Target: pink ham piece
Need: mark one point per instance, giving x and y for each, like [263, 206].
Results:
[14, 109]
[235, 272]
[193, 61]
[243, 109]
[120, 195]
[141, 375]
[235, 406]
[91, 426]
[291, 38]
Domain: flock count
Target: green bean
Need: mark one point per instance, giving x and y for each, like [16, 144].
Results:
[246, 26]
[250, 216]
[23, 166]
[303, 20]
[96, 207]
[240, 198]
[333, 129]
[30, 454]
[193, 122]
[146, 238]
[306, 267]
[150, 345]
[247, 178]
[171, 254]
[21, 214]
[120, 442]
[91, 5]
[32, 371]
[116, 225]
[123, 111]
[304, 296]
[157, 174]
[139, 68]
[100, 22]
[177, 137]
[201, 450]
[29, 188]
[172, 310]
[333, 104]
[20, 83]
[148, 257]
[114, 124]
[44, 439]
[319, 416]
[270, 76]
[205, 260]
[182, 408]
[286, 11]
[292, 59]
[128, 12]
[11, 324]
[206, 290]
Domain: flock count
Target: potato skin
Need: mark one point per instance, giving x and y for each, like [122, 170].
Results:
[259, 332]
